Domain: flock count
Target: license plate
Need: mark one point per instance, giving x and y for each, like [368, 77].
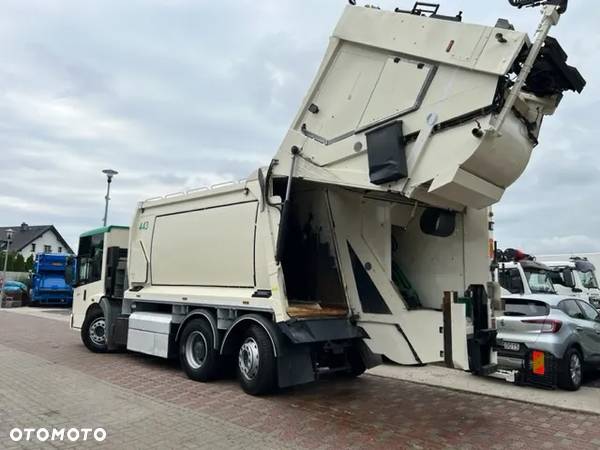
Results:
[511, 346]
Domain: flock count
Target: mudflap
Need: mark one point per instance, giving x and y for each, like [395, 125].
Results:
[294, 366]
[116, 327]
[301, 340]
[369, 358]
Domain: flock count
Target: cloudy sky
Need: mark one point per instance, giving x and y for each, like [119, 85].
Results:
[177, 94]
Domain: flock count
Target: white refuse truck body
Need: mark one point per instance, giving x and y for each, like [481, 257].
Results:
[369, 232]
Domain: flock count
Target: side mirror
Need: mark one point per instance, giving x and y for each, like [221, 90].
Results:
[569, 279]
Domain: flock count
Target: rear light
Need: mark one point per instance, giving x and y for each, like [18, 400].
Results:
[538, 366]
[548, 325]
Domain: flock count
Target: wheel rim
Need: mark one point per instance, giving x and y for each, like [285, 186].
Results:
[196, 349]
[575, 369]
[248, 359]
[97, 331]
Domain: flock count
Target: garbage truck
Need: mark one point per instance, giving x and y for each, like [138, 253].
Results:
[48, 283]
[368, 234]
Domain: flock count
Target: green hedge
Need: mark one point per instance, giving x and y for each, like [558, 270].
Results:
[16, 262]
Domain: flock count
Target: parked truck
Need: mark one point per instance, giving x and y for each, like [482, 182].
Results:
[48, 284]
[520, 273]
[369, 232]
[574, 276]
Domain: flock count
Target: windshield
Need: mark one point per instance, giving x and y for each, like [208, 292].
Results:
[588, 280]
[539, 281]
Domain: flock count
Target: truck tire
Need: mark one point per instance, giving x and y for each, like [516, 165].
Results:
[570, 370]
[93, 332]
[197, 354]
[256, 362]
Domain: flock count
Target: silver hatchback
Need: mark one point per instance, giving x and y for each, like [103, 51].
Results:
[548, 339]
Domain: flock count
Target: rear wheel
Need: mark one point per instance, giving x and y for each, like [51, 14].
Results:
[93, 331]
[256, 362]
[570, 373]
[197, 353]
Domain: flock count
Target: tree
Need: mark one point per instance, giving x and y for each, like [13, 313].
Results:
[29, 263]
[10, 263]
[19, 263]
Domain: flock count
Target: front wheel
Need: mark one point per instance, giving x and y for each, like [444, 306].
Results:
[570, 373]
[93, 332]
[256, 362]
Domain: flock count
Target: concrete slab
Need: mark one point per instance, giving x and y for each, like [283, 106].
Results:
[587, 399]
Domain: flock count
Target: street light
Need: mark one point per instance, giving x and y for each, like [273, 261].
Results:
[9, 237]
[109, 174]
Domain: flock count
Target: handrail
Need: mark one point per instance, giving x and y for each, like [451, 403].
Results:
[196, 190]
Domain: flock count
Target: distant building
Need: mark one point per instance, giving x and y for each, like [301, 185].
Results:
[31, 239]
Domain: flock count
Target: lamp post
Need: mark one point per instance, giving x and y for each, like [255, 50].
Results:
[9, 236]
[110, 173]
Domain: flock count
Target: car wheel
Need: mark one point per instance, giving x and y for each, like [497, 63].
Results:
[197, 354]
[93, 332]
[570, 373]
[256, 362]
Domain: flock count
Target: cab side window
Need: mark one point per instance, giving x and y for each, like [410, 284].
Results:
[571, 309]
[510, 279]
[590, 312]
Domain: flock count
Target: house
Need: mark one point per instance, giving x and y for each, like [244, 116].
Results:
[31, 239]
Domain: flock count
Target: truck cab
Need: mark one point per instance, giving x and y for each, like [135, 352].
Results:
[525, 277]
[94, 269]
[576, 277]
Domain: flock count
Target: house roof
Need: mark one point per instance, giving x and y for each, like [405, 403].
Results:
[24, 234]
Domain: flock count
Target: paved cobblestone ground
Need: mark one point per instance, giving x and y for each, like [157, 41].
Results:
[47, 378]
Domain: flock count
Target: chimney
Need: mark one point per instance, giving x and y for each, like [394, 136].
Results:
[24, 227]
